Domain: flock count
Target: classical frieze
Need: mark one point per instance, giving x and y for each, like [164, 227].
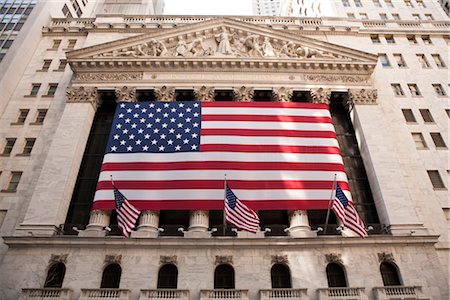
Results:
[204, 93]
[336, 78]
[165, 93]
[321, 95]
[282, 94]
[83, 95]
[363, 96]
[108, 76]
[243, 94]
[125, 94]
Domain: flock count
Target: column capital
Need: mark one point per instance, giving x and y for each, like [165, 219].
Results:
[125, 94]
[321, 95]
[165, 93]
[282, 94]
[82, 94]
[204, 93]
[243, 94]
[363, 96]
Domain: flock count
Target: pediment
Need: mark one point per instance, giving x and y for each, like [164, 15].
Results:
[221, 40]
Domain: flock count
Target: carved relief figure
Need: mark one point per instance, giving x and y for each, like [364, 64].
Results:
[267, 48]
[251, 45]
[197, 48]
[288, 50]
[157, 48]
[224, 42]
[181, 47]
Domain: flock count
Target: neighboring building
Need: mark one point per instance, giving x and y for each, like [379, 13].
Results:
[270, 7]
[446, 6]
[386, 83]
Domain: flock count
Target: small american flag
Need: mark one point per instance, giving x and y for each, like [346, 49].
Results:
[238, 214]
[127, 214]
[346, 212]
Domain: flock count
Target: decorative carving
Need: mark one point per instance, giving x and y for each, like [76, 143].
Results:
[108, 76]
[223, 39]
[321, 95]
[280, 259]
[181, 48]
[204, 93]
[113, 259]
[336, 78]
[251, 47]
[282, 94]
[385, 257]
[363, 96]
[166, 259]
[126, 94]
[333, 258]
[267, 48]
[224, 259]
[58, 258]
[83, 95]
[244, 94]
[165, 94]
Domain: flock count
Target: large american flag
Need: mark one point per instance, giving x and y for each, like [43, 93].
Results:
[173, 155]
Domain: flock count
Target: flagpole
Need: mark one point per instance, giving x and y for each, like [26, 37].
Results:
[224, 199]
[329, 204]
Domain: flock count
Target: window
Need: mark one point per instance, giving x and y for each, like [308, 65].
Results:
[41, 113]
[429, 17]
[376, 3]
[389, 39]
[56, 44]
[384, 60]
[345, 3]
[438, 60]
[363, 16]
[336, 275]
[420, 4]
[51, 89]
[224, 277]
[29, 143]
[409, 116]
[426, 115]
[13, 182]
[426, 40]
[399, 60]
[111, 277]
[389, 274]
[397, 89]
[414, 89]
[35, 89]
[351, 15]
[55, 276]
[9, 144]
[280, 277]
[383, 16]
[416, 17]
[439, 89]
[438, 140]
[423, 60]
[71, 44]
[23, 113]
[396, 16]
[447, 111]
[66, 11]
[167, 277]
[358, 3]
[408, 3]
[62, 65]
[46, 65]
[388, 3]
[411, 39]
[375, 38]
[436, 180]
[419, 140]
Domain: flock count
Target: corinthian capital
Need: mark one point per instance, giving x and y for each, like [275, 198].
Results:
[165, 94]
[282, 94]
[83, 95]
[244, 94]
[363, 96]
[126, 94]
[321, 95]
[204, 93]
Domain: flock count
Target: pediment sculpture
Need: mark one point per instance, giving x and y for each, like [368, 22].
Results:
[222, 42]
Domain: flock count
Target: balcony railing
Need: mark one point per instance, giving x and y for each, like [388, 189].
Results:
[344, 293]
[105, 294]
[47, 293]
[223, 294]
[282, 294]
[164, 294]
[398, 292]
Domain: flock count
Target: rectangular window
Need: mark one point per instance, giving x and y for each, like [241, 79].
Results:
[358, 3]
[436, 180]
[416, 17]
[71, 44]
[375, 38]
[423, 60]
[23, 113]
[426, 115]
[376, 3]
[363, 16]
[66, 11]
[46, 65]
[396, 16]
[439, 89]
[409, 115]
[62, 65]
[438, 60]
[345, 3]
[426, 40]
[56, 44]
[397, 89]
[384, 60]
[351, 15]
[438, 140]
[447, 111]
[408, 3]
[419, 140]
[51, 89]
[399, 60]
[9, 145]
[389, 39]
[411, 39]
[13, 181]
[429, 17]
[29, 143]
[388, 3]
[420, 3]
[414, 89]
[383, 16]
[35, 89]
[40, 116]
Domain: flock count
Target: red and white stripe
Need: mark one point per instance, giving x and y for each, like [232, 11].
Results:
[127, 216]
[349, 217]
[242, 217]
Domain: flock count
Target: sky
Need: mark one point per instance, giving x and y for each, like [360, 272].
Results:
[208, 7]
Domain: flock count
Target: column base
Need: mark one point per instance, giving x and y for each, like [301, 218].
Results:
[92, 232]
[248, 235]
[197, 234]
[302, 232]
[142, 233]
[407, 229]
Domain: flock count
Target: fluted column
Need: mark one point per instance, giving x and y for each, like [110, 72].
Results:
[148, 224]
[299, 224]
[98, 220]
[198, 224]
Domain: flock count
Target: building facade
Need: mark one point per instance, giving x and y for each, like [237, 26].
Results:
[386, 82]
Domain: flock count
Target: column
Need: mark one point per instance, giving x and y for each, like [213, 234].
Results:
[299, 224]
[198, 224]
[148, 224]
[165, 93]
[282, 94]
[50, 201]
[99, 219]
[321, 95]
[125, 94]
[243, 94]
[204, 93]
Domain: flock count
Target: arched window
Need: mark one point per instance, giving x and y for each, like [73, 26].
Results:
[281, 277]
[336, 275]
[167, 277]
[224, 277]
[55, 276]
[111, 277]
[390, 274]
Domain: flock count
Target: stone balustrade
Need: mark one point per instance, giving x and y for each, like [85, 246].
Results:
[46, 294]
[398, 293]
[283, 294]
[164, 294]
[105, 294]
[342, 293]
[223, 294]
